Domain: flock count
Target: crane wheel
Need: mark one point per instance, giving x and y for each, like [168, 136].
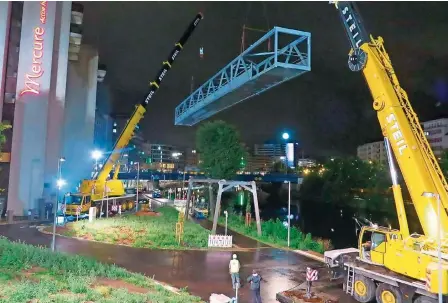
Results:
[363, 289]
[386, 293]
[422, 299]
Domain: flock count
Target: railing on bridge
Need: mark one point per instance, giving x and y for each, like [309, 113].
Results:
[249, 74]
[153, 176]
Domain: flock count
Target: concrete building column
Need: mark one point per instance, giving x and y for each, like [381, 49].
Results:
[57, 97]
[5, 12]
[79, 125]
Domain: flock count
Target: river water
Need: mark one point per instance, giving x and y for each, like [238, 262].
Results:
[324, 220]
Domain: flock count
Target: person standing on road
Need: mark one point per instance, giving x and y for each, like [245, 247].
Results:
[255, 281]
[234, 270]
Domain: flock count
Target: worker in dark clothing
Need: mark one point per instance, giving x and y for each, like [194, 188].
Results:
[255, 281]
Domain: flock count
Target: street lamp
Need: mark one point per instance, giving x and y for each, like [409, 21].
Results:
[96, 155]
[439, 240]
[226, 214]
[285, 136]
[138, 181]
[59, 183]
[289, 211]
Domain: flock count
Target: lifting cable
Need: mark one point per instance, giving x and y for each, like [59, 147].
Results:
[243, 35]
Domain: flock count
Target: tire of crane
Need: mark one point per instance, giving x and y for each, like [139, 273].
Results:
[386, 293]
[363, 289]
[423, 299]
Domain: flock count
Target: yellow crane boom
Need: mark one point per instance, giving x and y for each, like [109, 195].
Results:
[100, 186]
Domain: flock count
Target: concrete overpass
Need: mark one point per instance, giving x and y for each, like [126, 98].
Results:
[153, 176]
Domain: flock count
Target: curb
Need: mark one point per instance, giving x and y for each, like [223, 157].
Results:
[303, 253]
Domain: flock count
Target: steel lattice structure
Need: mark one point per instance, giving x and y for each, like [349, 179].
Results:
[249, 74]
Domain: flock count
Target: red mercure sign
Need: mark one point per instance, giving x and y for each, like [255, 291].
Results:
[32, 84]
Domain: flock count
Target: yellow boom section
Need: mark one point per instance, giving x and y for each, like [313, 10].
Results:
[400, 125]
[122, 142]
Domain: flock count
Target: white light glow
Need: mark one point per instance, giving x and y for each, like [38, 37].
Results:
[97, 154]
[60, 183]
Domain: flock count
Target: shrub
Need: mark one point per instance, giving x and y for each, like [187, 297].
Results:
[274, 232]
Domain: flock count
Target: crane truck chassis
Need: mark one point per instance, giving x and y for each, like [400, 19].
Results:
[367, 282]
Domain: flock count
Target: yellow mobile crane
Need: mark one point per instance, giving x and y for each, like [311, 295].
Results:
[93, 191]
[394, 266]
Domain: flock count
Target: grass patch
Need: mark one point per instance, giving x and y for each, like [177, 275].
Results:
[66, 278]
[140, 231]
[275, 233]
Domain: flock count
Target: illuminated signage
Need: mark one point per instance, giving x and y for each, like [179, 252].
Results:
[32, 83]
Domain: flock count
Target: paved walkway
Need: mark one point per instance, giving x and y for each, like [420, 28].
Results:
[202, 272]
[239, 240]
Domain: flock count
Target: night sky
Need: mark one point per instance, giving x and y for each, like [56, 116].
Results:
[328, 109]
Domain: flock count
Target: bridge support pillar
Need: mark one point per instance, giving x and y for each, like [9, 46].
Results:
[257, 209]
[187, 203]
[250, 186]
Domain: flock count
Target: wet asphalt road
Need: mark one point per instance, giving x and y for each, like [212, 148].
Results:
[203, 272]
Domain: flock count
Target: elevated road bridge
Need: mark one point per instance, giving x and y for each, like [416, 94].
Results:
[158, 176]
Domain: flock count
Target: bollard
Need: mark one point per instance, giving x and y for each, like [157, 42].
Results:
[10, 215]
[308, 289]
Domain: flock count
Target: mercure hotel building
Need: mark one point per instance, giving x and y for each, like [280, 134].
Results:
[48, 83]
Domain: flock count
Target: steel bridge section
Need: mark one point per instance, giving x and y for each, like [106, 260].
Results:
[249, 74]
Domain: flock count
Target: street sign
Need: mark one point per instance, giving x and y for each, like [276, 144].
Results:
[311, 274]
[219, 241]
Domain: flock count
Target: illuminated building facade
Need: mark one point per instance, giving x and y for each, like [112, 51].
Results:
[37, 42]
[37, 83]
[374, 151]
[437, 133]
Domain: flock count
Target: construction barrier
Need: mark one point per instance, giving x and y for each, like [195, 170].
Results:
[219, 241]
[311, 276]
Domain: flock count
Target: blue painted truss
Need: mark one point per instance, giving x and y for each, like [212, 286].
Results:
[249, 74]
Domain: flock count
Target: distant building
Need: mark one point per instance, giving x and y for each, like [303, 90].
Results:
[286, 152]
[374, 151]
[191, 160]
[306, 162]
[259, 164]
[270, 150]
[163, 157]
[437, 133]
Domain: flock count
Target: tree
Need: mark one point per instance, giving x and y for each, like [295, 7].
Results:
[350, 182]
[220, 149]
[3, 127]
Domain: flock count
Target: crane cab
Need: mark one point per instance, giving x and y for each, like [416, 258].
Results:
[372, 244]
[76, 204]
